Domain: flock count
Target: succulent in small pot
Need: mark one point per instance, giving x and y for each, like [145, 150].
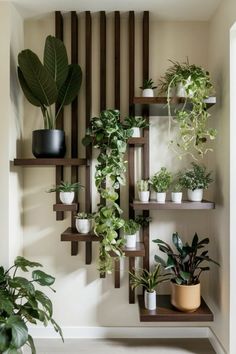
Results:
[177, 194]
[149, 280]
[196, 180]
[84, 222]
[136, 124]
[66, 191]
[161, 182]
[185, 262]
[143, 190]
[130, 233]
[148, 88]
[44, 84]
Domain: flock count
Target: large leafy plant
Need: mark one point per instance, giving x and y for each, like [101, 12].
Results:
[54, 81]
[21, 303]
[196, 177]
[193, 133]
[185, 261]
[110, 136]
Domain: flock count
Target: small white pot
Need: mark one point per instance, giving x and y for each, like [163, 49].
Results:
[130, 241]
[180, 90]
[161, 197]
[144, 196]
[196, 195]
[176, 197]
[148, 93]
[150, 300]
[67, 197]
[83, 226]
[136, 132]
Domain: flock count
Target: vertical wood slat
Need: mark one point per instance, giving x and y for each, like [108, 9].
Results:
[88, 105]
[145, 113]
[117, 106]
[102, 76]
[74, 120]
[59, 122]
[131, 45]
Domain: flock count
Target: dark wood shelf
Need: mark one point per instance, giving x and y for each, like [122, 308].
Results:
[51, 162]
[158, 105]
[137, 141]
[65, 207]
[138, 251]
[71, 234]
[165, 312]
[168, 205]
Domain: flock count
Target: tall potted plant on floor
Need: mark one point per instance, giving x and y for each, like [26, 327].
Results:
[44, 84]
[187, 264]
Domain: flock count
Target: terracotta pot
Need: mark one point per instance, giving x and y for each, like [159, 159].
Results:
[186, 298]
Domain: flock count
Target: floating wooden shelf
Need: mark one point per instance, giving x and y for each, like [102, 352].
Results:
[137, 141]
[185, 205]
[138, 251]
[165, 312]
[71, 234]
[51, 162]
[65, 207]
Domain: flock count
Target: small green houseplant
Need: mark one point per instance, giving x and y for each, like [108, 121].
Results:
[161, 182]
[148, 88]
[143, 190]
[130, 230]
[195, 180]
[136, 124]
[21, 302]
[185, 262]
[84, 222]
[44, 84]
[193, 84]
[66, 191]
[149, 280]
[143, 220]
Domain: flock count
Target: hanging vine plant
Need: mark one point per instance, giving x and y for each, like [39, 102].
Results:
[110, 136]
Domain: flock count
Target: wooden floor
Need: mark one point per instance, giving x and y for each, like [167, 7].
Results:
[124, 346]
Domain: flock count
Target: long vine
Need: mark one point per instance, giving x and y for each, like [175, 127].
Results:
[110, 136]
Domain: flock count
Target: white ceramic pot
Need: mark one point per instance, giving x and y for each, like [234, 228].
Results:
[176, 197]
[144, 196]
[150, 300]
[148, 93]
[136, 132]
[83, 226]
[196, 195]
[130, 241]
[161, 197]
[67, 197]
[180, 90]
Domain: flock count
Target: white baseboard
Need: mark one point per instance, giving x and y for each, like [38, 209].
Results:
[121, 332]
[215, 343]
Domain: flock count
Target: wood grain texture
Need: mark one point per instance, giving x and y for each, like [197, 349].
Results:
[131, 50]
[66, 207]
[51, 162]
[117, 59]
[131, 270]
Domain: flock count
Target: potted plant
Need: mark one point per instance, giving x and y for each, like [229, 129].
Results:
[136, 124]
[161, 182]
[53, 82]
[148, 87]
[21, 302]
[143, 190]
[193, 83]
[185, 262]
[149, 280]
[84, 222]
[195, 180]
[143, 220]
[66, 191]
[130, 233]
[177, 194]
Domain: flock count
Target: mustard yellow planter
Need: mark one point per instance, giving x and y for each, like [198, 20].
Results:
[186, 298]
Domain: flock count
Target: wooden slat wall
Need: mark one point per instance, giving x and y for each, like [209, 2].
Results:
[59, 123]
[88, 106]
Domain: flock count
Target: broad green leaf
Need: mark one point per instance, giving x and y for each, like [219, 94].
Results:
[57, 328]
[160, 260]
[31, 344]
[38, 79]
[71, 86]
[4, 338]
[185, 275]
[27, 92]
[23, 263]
[6, 304]
[12, 351]
[195, 242]
[22, 283]
[19, 331]
[44, 300]
[170, 263]
[42, 278]
[177, 242]
[55, 60]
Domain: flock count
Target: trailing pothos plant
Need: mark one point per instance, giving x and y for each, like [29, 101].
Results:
[110, 136]
[21, 302]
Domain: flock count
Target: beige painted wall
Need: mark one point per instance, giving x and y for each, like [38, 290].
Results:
[82, 299]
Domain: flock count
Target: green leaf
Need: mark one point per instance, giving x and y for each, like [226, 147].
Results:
[42, 278]
[19, 331]
[170, 263]
[4, 338]
[55, 60]
[6, 304]
[177, 242]
[57, 328]
[44, 300]
[195, 242]
[71, 86]
[160, 260]
[27, 92]
[12, 351]
[185, 275]
[38, 79]
[22, 283]
[31, 344]
[24, 263]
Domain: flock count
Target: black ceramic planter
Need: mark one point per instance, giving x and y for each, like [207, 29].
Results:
[48, 143]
